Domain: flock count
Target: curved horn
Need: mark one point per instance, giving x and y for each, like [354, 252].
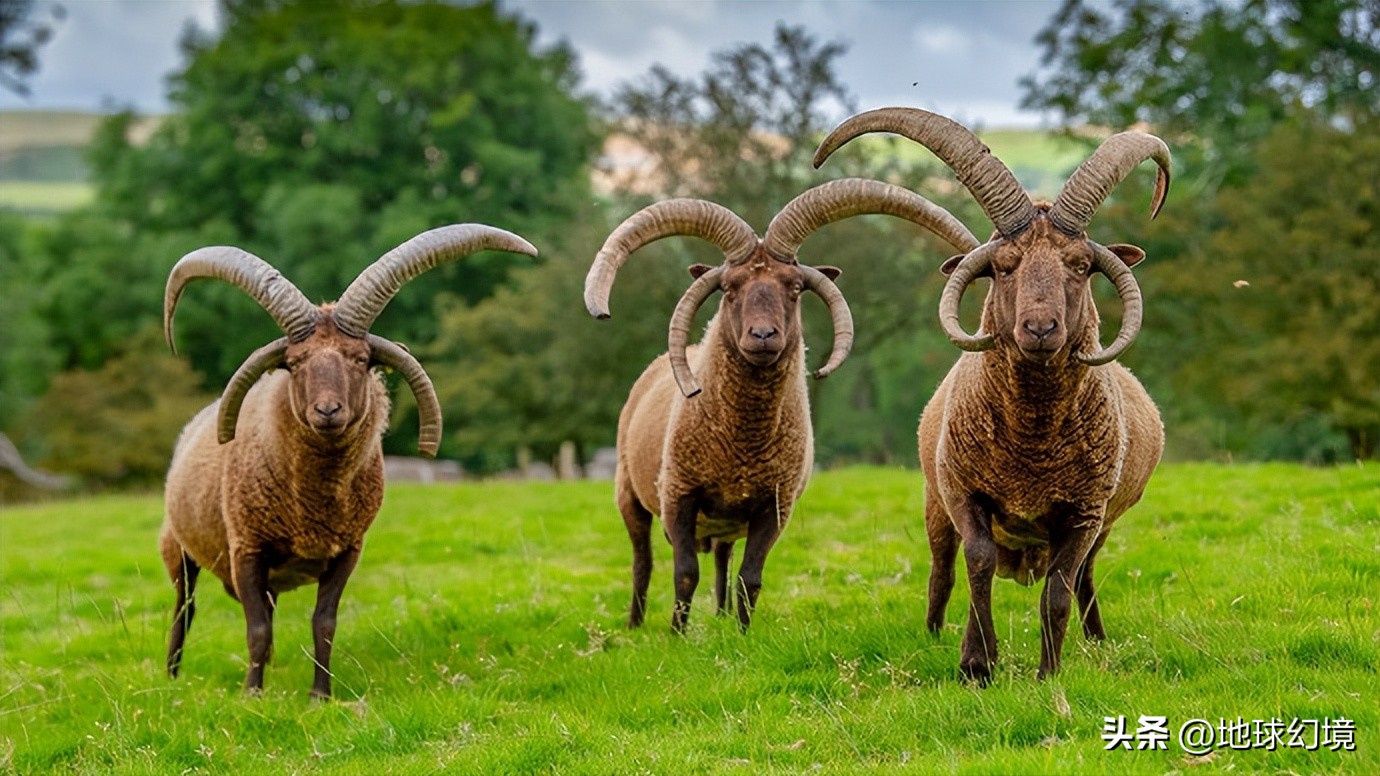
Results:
[695, 217]
[268, 357]
[820, 283]
[1093, 181]
[964, 274]
[679, 335]
[1128, 289]
[290, 309]
[991, 183]
[375, 286]
[394, 356]
[839, 199]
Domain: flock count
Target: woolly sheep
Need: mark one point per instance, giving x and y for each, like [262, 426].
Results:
[273, 486]
[730, 463]
[1036, 441]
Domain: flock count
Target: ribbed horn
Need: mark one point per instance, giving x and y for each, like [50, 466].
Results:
[1128, 289]
[694, 217]
[991, 183]
[1093, 181]
[820, 283]
[839, 199]
[963, 275]
[394, 356]
[375, 286]
[290, 309]
[679, 334]
[268, 357]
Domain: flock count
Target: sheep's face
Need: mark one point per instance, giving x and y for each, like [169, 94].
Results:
[329, 374]
[760, 311]
[1040, 295]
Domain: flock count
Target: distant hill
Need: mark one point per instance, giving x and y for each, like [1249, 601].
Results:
[43, 170]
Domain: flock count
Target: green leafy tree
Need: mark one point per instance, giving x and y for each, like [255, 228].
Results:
[117, 424]
[319, 136]
[1221, 72]
[21, 36]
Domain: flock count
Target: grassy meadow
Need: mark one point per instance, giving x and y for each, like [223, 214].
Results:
[484, 633]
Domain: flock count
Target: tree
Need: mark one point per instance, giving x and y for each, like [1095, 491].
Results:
[319, 136]
[1301, 343]
[1221, 72]
[21, 36]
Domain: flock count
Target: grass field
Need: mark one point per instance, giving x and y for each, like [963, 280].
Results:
[44, 196]
[483, 633]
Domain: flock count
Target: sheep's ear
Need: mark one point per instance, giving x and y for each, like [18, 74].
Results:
[699, 269]
[1130, 255]
[829, 272]
[951, 264]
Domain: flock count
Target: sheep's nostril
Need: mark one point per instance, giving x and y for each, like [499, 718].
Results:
[1042, 329]
[762, 334]
[327, 410]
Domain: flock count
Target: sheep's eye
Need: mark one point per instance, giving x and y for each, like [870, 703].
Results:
[361, 360]
[1006, 273]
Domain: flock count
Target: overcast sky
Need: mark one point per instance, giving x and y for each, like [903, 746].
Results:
[962, 59]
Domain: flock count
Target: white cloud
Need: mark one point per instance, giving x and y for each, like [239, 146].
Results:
[942, 39]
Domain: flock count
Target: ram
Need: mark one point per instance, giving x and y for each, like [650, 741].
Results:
[273, 486]
[726, 456]
[1036, 441]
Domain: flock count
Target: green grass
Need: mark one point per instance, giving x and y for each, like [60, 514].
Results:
[483, 633]
[44, 196]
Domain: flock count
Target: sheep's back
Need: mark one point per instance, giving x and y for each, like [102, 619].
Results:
[192, 494]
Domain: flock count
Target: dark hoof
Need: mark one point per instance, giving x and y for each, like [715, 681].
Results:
[977, 671]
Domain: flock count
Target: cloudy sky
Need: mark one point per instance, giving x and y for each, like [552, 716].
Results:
[958, 58]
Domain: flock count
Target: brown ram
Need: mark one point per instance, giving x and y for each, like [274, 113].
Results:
[273, 486]
[731, 462]
[1036, 441]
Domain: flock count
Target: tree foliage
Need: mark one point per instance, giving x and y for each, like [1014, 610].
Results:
[319, 136]
[21, 36]
[1221, 72]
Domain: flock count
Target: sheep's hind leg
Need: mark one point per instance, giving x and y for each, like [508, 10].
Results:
[639, 524]
[944, 543]
[183, 571]
[723, 557]
[685, 550]
[251, 587]
[1087, 596]
[1076, 538]
[328, 590]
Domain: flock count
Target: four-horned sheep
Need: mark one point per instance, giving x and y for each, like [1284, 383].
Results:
[273, 486]
[1036, 441]
[727, 455]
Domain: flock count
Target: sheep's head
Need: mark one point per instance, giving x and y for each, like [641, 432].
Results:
[761, 278]
[759, 314]
[1041, 296]
[1040, 258]
[329, 378]
[328, 350]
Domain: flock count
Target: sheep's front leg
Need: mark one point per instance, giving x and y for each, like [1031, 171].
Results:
[979, 653]
[1087, 595]
[328, 589]
[762, 534]
[250, 572]
[1071, 544]
[686, 556]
